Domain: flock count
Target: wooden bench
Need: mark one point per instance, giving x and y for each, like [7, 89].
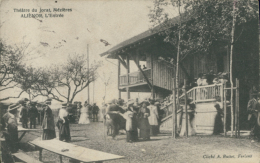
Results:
[24, 157]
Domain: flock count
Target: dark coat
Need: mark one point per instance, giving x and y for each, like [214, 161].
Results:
[32, 112]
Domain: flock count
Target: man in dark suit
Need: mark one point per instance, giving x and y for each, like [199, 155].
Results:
[95, 112]
[116, 122]
[32, 113]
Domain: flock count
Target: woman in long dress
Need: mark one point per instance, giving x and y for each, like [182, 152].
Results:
[131, 123]
[84, 116]
[63, 124]
[153, 118]
[48, 124]
[144, 125]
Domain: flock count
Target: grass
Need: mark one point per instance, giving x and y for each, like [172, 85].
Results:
[160, 149]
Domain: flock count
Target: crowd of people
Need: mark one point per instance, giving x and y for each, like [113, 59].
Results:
[144, 116]
[87, 113]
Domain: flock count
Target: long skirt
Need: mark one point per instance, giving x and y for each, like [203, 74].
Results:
[48, 134]
[144, 128]
[218, 126]
[153, 130]
[11, 138]
[129, 136]
[64, 130]
[84, 119]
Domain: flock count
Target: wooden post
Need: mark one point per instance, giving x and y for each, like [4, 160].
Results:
[60, 158]
[119, 72]
[152, 76]
[88, 70]
[40, 154]
[231, 64]
[127, 77]
[174, 115]
[225, 111]
[186, 112]
[237, 104]
[236, 114]
[222, 94]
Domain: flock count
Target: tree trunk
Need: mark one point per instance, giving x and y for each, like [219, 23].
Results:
[178, 58]
[231, 62]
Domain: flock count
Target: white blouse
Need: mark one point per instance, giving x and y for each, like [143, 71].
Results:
[63, 113]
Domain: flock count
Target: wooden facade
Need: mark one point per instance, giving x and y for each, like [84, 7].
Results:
[157, 77]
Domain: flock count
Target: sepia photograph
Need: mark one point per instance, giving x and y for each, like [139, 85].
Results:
[129, 81]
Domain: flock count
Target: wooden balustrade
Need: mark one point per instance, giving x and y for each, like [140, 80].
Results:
[197, 94]
[135, 77]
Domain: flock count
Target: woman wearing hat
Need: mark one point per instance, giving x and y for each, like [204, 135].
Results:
[144, 125]
[204, 80]
[153, 118]
[131, 123]
[11, 136]
[63, 124]
[48, 125]
[84, 116]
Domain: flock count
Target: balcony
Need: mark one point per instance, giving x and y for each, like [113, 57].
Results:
[135, 78]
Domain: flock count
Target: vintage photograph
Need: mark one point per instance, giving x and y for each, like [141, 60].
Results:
[129, 81]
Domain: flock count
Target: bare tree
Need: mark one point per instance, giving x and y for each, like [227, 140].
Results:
[11, 67]
[63, 83]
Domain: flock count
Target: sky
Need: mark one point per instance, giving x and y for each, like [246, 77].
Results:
[51, 40]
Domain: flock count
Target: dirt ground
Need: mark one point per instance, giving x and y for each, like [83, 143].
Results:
[161, 148]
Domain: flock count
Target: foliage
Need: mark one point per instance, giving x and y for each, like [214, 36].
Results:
[11, 67]
[204, 22]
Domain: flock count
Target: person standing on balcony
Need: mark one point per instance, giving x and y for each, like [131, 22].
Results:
[204, 80]
[199, 80]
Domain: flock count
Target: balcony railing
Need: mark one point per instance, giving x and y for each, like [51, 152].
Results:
[135, 77]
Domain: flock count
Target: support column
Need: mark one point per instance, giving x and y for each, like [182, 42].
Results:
[225, 111]
[152, 90]
[174, 111]
[186, 111]
[119, 72]
[127, 78]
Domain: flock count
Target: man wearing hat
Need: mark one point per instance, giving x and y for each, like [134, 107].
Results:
[252, 114]
[10, 122]
[32, 113]
[24, 114]
[95, 112]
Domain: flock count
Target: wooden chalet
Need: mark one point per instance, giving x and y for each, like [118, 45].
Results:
[158, 75]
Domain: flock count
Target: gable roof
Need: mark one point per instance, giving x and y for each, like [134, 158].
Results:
[146, 34]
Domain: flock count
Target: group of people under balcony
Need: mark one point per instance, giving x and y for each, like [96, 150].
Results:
[144, 116]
